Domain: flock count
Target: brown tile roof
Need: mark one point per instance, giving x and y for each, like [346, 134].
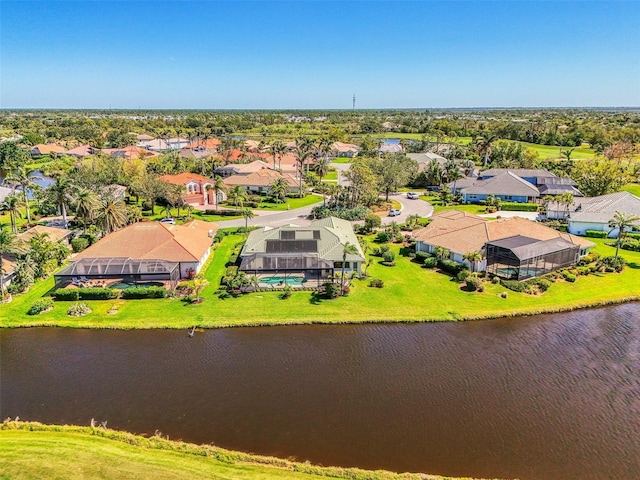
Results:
[462, 232]
[153, 240]
[260, 178]
[81, 151]
[55, 234]
[45, 149]
[130, 152]
[184, 178]
[209, 143]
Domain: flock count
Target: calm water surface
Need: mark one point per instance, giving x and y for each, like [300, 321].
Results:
[547, 397]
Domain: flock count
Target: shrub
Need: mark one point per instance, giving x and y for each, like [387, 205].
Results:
[96, 293]
[472, 283]
[430, 262]
[78, 309]
[451, 267]
[522, 207]
[224, 213]
[495, 280]
[331, 290]
[66, 294]
[388, 256]
[611, 264]
[40, 306]
[383, 237]
[568, 276]
[371, 222]
[144, 292]
[376, 283]
[462, 275]
[79, 243]
[504, 295]
[286, 293]
[514, 285]
[590, 258]
[421, 254]
[595, 234]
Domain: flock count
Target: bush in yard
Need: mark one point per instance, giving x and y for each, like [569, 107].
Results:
[513, 285]
[611, 264]
[371, 222]
[421, 254]
[79, 243]
[451, 267]
[144, 292]
[462, 275]
[587, 259]
[286, 293]
[504, 295]
[40, 306]
[388, 258]
[78, 309]
[376, 283]
[495, 280]
[595, 234]
[568, 276]
[331, 290]
[96, 293]
[383, 237]
[430, 262]
[473, 283]
[66, 294]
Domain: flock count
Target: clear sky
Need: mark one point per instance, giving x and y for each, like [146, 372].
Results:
[317, 54]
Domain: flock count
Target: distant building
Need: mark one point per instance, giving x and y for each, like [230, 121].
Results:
[46, 149]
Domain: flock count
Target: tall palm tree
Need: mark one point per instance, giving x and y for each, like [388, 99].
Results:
[434, 173]
[623, 222]
[247, 213]
[237, 195]
[484, 143]
[217, 187]
[22, 177]
[7, 245]
[278, 189]
[277, 149]
[472, 258]
[113, 214]
[321, 167]
[61, 195]
[348, 249]
[86, 204]
[12, 204]
[303, 150]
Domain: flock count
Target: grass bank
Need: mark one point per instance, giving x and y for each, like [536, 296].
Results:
[411, 293]
[32, 450]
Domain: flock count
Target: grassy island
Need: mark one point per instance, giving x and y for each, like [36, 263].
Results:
[32, 450]
[411, 293]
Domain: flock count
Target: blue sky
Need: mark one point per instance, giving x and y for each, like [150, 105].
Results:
[305, 54]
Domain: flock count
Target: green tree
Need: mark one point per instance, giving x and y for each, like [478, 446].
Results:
[303, 151]
[198, 284]
[7, 245]
[12, 205]
[218, 186]
[623, 222]
[12, 157]
[86, 204]
[442, 253]
[484, 144]
[247, 213]
[472, 258]
[60, 193]
[321, 167]
[112, 214]
[278, 189]
[393, 171]
[21, 177]
[348, 249]
[277, 149]
[599, 176]
[237, 195]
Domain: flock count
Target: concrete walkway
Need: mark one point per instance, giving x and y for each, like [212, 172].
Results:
[508, 214]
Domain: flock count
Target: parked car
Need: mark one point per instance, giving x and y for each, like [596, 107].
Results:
[394, 212]
[168, 220]
[413, 196]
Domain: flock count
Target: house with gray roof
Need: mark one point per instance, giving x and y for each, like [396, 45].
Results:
[308, 253]
[506, 186]
[595, 213]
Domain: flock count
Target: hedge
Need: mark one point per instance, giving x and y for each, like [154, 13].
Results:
[522, 207]
[68, 294]
[595, 233]
[224, 213]
[451, 267]
[144, 292]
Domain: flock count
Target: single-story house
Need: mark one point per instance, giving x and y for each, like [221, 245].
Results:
[314, 252]
[532, 175]
[10, 260]
[260, 180]
[349, 150]
[196, 188]
[595, 213]
[242, 168]
[143, 137]
[425, 158]
[461, 232]
[144, 251]
[506, 186]
[197, 154]
[161, 144]
[391, 148]
[203, 144]
[46, 149]
[81, 151]
[129, 152]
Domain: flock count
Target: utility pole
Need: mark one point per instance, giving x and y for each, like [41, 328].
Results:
[354, 102]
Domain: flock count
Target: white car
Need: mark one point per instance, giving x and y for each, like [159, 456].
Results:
[168, 220]
[394, 212]
[413, 196]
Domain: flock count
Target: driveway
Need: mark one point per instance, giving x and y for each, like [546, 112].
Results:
[408, 207]
[508, 214]
[341, 168]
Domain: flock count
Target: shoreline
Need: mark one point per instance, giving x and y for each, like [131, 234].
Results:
[291, 323]
[157, 445]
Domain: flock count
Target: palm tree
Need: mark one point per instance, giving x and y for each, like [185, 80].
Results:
[434, 173]
[86, 204]
[623, 222]
[23, 178]
[277, 149]
[12, 205]
[303, 150]
[321, 167]
[247, 213]
[61, 194]
[218, 186]
[237, 195]
[567, 153]
[198, 283]
[472, 258]
[278, 189]
[484, 143]
[567, 200]
[113, 214]
[442, 253]
[348, 249]
[7, 245]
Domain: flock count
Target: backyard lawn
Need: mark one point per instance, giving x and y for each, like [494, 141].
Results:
[410, 293]
[290, 203]
[633, 188]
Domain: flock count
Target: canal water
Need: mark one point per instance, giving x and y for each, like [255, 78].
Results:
[545, 397]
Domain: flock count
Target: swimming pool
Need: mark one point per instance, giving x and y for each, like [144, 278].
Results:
[283, 280]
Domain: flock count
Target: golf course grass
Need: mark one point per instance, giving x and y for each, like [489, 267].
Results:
[31, 450]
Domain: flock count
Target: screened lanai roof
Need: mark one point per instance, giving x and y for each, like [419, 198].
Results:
[284, 261]
[525, 248]
[117, 266]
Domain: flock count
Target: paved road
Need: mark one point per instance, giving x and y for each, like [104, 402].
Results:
[341, 168]
[409, 207]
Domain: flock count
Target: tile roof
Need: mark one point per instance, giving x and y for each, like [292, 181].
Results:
[601, 209]
[184, 178]
[151, 240]
[261, 178]
[81, 151]
[462, 232]
[45, 149]
[521, 172]
[129, 152]
[245, 168]
[209, 143]
[345, 147]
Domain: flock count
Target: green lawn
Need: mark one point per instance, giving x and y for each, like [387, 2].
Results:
[291, 203]
[35, 451]
[411, 293]
[549, 151]
[342, 160]
[471, 208]
[633, 188]
[331, 176]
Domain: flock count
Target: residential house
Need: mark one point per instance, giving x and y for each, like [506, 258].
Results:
[203, 144]
[242, 168]
[595, 213]
[145, 251]
[461, 232]
[130, 152]
[349, 150]
[81, 151]
[391, 148]
[260, 180]
[163, 144]
[315, 252]
[46, 149]
[198, 189]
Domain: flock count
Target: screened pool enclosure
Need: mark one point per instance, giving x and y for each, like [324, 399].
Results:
[520, 257]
